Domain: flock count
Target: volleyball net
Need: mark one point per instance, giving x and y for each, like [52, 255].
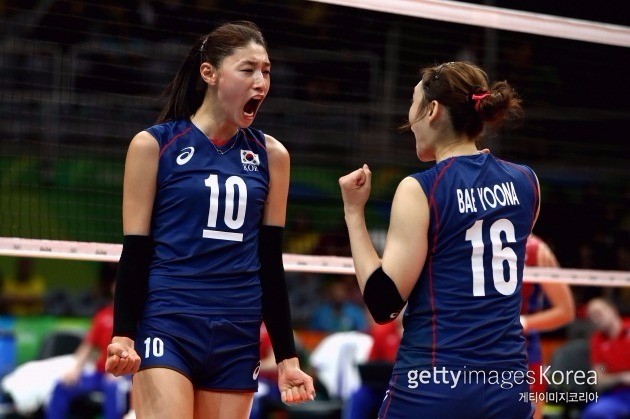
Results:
[108, 252]
[78, 80]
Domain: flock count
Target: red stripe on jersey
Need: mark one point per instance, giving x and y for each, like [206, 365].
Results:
[175, 137]
[391, 396]
[430, 269]
[252, 137]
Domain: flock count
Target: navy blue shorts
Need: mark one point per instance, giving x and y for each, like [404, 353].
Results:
[467, 399]
[214, 353]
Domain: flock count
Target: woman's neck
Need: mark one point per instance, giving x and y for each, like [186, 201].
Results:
[455, 149]
[219, 131]
[615, 329]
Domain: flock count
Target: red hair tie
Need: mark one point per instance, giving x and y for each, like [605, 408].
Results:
[477, 99]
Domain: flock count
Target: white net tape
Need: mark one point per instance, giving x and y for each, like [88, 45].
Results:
[498, 18]
[107, 252]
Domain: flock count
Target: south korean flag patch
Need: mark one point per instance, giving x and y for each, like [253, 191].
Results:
[249, 157]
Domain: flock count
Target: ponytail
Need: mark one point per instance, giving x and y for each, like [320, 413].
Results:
[187, 89]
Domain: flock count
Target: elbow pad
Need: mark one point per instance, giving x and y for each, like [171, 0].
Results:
[132, 283]
[382, 297]
[276, 311]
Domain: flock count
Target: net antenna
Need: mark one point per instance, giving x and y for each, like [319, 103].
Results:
[498, 18]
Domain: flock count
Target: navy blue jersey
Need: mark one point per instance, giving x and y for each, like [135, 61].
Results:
[464, 309]
[206, 217]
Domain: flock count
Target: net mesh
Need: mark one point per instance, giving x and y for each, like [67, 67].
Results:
[78, 80]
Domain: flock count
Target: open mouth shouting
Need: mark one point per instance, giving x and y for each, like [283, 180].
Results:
[251, 107]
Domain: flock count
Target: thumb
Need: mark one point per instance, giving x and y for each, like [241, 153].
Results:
[368, 173]
[117, 349]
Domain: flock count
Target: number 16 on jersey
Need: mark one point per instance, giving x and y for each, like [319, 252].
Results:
[500, 254]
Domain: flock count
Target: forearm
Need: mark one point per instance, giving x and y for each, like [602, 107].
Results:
[547, 320]
[82, 355]
[607, 381]
[365, 258]
[276, 311]
[131, 284]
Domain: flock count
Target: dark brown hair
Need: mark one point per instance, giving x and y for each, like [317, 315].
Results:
[458, 86]
[186, 92]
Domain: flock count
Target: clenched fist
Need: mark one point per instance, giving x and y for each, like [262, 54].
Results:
[355, 188]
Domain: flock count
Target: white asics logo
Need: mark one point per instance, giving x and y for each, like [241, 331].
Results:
[256, 371]
[186, 155]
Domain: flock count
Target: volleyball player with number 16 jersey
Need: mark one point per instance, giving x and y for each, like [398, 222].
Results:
[454, 253]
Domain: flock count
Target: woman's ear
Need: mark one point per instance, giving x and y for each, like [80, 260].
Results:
[434, 110]
[208, 73]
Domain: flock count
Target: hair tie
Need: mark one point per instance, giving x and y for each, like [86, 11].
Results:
[477, 98]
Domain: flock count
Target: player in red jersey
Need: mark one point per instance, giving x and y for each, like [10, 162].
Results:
[535, 318]
[610, 346]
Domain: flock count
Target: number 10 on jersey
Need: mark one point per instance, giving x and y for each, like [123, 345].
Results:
[232, 221]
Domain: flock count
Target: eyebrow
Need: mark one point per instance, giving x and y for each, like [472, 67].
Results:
[250, 62]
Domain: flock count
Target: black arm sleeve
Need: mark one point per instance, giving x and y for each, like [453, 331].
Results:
[131, 284]
[276, 312]
[382, 297]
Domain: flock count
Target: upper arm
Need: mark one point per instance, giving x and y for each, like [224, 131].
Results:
[406, 245]
[139, 186]
[545, 257]
[559, 295]
[275, 210]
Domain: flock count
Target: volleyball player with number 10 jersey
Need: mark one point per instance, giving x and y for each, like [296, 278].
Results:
[455, 253]
[204, 204]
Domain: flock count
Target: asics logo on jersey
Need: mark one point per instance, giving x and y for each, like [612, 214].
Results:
[256, 371]
[185, 156]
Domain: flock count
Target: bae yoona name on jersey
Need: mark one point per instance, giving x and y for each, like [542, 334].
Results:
[501, 194]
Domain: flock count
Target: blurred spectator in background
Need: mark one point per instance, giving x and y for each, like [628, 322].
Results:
[302, 238]
[472, 50]
[81, 379]
[338, 313]
[23, 294]
[3, 304]
[94, 298]
[366, 400]
[610, 358]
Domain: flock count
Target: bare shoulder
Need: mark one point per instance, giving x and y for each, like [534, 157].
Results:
[409, 198]
[144, 141]
[275, 149]
[409, 186]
